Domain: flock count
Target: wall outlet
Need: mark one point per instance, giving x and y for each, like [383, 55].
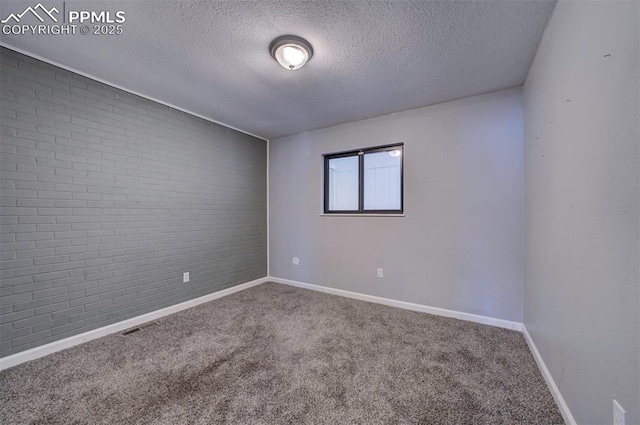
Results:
[185, 277]
[619, 415]
[380, 273]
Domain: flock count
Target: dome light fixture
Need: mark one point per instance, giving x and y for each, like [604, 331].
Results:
[291, 51]
[395, 153]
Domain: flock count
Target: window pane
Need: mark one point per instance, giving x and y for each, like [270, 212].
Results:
[343, 184]
[382, 185]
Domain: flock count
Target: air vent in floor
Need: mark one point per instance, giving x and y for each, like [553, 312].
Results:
[147, 325]
[139, 328]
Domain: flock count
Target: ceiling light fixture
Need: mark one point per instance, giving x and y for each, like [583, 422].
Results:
[290, 51]
[395, 153]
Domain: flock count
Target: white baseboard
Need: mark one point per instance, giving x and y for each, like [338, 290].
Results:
[517, 326]
[43, 350]
[555, 392]
[37, 352]
[485, 320]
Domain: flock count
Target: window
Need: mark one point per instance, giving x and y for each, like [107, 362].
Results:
[364, 181]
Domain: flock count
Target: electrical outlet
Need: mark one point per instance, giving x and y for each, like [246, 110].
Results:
[619, 415]
[185, 277]
[380, 273]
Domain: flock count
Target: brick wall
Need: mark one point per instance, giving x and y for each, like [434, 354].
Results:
[106, 199]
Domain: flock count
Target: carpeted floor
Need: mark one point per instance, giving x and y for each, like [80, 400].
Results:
[275, 354]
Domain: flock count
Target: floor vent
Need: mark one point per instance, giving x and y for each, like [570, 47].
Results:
[139, 328]
[147, 325]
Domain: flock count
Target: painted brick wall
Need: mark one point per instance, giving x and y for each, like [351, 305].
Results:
[107, 198]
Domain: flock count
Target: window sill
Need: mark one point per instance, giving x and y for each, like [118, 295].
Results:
[361, 215]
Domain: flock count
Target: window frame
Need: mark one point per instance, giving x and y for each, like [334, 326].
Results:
[360, 153]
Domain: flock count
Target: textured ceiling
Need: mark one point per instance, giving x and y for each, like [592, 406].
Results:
[370, 57]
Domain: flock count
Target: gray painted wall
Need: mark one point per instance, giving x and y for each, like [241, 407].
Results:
[460, 244]
[581, 184]
[107, 198]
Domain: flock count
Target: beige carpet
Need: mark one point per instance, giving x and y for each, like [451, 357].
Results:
[274, 354]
